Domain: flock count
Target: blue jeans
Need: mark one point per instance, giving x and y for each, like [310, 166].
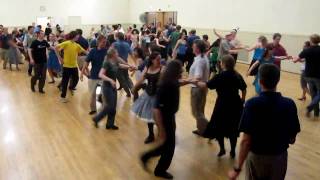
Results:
[314, 85]
[109, 109]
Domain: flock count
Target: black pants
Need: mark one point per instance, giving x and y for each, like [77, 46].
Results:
[69, 73]
[235, 56]
[30, 67]
[165, 150]
[125, 81]
[233, 143]
[40, 72]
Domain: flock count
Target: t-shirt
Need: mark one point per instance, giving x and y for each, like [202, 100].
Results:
[70, 51]
[174, 39]
[96, 57]
[28, 39]
[111, 70]
[39, 51]
[167, 100]
[279, 50]
[4, 39]
[191, 39]
[225, 47]
[312, 59]
[123, 49]
[272, 121]
[200, 68]
[83, 43]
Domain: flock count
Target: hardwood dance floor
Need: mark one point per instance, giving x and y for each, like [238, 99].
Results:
[43, 139]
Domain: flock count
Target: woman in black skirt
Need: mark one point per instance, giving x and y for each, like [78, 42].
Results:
[229, 105]
[166, 106]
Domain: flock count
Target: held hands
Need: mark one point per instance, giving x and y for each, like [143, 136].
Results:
[113, 84]
[233, 175]
[132, 68]
[32, 61]
[81, 77]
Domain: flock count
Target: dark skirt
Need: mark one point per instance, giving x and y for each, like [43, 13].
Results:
[225, 118]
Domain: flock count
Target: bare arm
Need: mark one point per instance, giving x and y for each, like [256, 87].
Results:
[244, 151]
[298, 59]
[176, 47]
[283, 57]
[252, 48]
[217, 34]
[157, 42]
[140, 81]
[30, 55]
[243, 95]
[252, 67]
[84, 70]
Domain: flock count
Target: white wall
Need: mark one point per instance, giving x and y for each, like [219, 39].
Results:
[285, 16]
[23, 12]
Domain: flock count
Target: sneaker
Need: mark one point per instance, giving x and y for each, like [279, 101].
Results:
[92, 112]
[42, 92]
[63, 100]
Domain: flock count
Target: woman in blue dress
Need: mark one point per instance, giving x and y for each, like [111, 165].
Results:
[259, 50]
[267, 58]
[54, 66]
[180, 50]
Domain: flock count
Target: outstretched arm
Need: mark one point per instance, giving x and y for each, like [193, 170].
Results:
[217, 34]
[253, 67]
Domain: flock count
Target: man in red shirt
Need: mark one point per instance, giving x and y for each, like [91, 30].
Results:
[278, 50]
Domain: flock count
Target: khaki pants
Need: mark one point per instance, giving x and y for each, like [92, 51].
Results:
[266, 166]
[198, 102]
[92, 85]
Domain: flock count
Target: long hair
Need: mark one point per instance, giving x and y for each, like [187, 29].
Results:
[140, 52]
[268, 48]
[216, 43]
[152, 57]
[172, 73]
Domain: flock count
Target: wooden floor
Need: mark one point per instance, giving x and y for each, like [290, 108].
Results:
[42, 139]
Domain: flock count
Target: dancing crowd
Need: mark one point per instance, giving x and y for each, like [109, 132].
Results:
[158, 57]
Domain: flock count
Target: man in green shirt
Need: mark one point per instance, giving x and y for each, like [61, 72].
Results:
[174, 37]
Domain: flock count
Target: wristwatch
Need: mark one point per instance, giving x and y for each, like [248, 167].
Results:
[236, 169]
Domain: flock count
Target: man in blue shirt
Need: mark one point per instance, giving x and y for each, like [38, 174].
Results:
[85, 45]
[124, 51]
[192, 37]
[96, 57]
[269, 124]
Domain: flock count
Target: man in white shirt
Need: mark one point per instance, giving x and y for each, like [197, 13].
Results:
[199, 71]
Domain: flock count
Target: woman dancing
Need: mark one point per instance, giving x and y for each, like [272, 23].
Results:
[144, 104]
[227, 112]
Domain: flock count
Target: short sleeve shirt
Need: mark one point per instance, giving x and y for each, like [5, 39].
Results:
[71, 50]
[200, 68]
[39, 51]
[96, 58]
[123, 49]
[272, 121]
[224, 49]
[312, 61]
[111, 69]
